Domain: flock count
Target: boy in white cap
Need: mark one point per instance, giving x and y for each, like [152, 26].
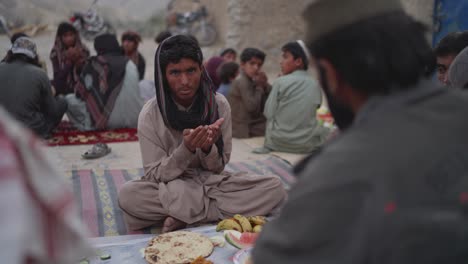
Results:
[291, 106]
[26, 92]
[393, 186]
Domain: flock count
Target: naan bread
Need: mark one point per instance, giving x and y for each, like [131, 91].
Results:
[177, 247]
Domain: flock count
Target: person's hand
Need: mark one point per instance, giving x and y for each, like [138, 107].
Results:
[261, 80]
[195, 138]
[216, 128]
[80, 61]
[73, 54]
[214, 131]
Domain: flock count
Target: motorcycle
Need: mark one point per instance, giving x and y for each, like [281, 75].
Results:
[90, 24]
[194, 23]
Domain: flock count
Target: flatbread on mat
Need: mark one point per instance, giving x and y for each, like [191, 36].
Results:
[177, 247]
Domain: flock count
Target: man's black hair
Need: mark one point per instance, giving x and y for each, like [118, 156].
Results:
[177, 48]
[249, 53]
[227, 71]
[297, 52]
[452, 44]
[131, 36]
[194, 39]
[162, 36]
[16, 36]
[380, 54]
[107, 44]
[65, 27]
[228, 50]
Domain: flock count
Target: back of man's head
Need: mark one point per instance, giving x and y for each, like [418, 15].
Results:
[249, 53]
[23, 49]
[452, 44]
[16, 36]
[107, 44]
[227, 71]
[162, 36]
[375, 50]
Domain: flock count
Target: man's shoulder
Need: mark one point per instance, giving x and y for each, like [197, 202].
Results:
[221, 99]
[241, 81]
[284, 80]
[4, 66]
[148, 112]
[35, 71]
[292, 78]
[27, 67]
[339, 161]
[223, 105]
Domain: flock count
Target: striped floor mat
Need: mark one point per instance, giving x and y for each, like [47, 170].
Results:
[96, 192]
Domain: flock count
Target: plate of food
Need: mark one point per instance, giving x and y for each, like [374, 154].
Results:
[178, 247]
[243, 256]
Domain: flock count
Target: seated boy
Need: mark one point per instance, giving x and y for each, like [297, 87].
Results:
[248, 95]
[185, 140]
[291, 107]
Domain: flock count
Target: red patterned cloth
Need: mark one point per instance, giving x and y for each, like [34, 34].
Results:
[66, 134]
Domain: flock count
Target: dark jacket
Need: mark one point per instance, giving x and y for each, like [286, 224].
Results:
[26, 94]
[393, 188]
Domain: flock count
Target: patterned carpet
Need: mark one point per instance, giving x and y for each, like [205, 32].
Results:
[96, 192]
[66, 134]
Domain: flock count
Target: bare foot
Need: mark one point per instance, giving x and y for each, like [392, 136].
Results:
[171, 224]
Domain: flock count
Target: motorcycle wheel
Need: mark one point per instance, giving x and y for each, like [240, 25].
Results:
[205, 35]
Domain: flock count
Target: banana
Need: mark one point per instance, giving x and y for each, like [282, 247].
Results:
[228, 224]
[244, 222]
[257, 220]
[257, 228]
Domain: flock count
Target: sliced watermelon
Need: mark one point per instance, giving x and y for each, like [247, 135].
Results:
[235, 233]
[245, 240]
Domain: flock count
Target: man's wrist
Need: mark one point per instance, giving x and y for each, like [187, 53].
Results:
[189, 148]
[207, 150]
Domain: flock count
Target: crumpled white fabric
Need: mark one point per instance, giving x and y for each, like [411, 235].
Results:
[39, 222]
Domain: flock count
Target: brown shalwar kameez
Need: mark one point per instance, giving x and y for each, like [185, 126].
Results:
[191, 187]
[247, 103]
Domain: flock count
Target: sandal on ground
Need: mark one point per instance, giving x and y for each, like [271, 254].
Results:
[98, 150]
